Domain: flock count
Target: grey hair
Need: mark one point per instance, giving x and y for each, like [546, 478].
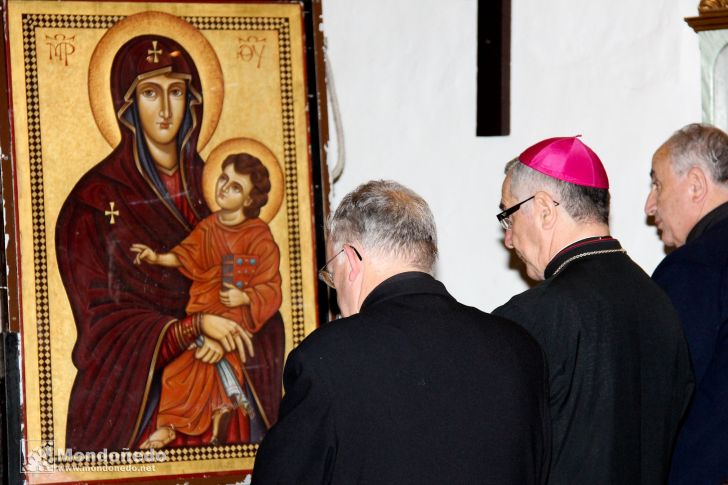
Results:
[583, 204]
[701, 145]
[386, 217]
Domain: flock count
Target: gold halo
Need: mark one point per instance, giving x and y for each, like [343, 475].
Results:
[163, 24]
[213, 167]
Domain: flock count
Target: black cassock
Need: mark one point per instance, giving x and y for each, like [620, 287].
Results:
[620, 376]
[415, 389]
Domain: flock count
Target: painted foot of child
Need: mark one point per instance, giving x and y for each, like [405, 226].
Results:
[220, 421]
[160, 438]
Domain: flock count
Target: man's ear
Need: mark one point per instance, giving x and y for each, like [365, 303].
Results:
[697, 184]
[545, 208]
[355, 263]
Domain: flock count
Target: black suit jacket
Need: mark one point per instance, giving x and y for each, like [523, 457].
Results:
[415, 389]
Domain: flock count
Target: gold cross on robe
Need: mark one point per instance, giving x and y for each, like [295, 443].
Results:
[112, 213]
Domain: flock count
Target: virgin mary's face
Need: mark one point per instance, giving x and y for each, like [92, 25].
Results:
[161, 101]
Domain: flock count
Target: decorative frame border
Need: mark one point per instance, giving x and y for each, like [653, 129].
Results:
[30, 22]
[14, 439]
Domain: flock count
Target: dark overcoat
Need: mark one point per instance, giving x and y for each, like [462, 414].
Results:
[695, 277]
[415, 389]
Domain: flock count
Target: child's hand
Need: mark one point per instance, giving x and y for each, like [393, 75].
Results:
[210, 352]
[233, 297]
[144, 253]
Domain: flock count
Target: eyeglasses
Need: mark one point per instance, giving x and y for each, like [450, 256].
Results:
[505, 217]
[327, 276]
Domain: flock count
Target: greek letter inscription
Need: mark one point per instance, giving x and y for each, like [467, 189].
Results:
[251, 49]
[60, 47]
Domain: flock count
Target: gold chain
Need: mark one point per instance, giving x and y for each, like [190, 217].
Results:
[582, 255]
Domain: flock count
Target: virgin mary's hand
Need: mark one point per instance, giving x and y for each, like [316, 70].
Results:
[228, 333]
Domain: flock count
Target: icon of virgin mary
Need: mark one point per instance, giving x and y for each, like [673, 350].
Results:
[131, 324]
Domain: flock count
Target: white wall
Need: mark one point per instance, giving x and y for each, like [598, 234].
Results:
[622, 73]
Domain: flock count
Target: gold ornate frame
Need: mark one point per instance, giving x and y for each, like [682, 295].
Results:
[46, 159]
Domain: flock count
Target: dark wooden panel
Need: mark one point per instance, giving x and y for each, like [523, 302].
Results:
[494, 68]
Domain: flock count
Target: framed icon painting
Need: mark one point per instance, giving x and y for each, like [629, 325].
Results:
[165, 188]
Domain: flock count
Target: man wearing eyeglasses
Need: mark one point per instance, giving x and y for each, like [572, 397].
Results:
[689, 203]
[619, 371]
[410, 387]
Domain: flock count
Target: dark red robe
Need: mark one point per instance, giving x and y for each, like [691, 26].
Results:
[121, 312]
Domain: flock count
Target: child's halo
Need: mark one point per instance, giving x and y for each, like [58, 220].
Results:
[213, 167]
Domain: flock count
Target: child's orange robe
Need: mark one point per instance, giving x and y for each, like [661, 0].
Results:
[191, 390]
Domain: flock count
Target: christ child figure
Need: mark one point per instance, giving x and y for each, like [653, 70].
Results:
[233, 263]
